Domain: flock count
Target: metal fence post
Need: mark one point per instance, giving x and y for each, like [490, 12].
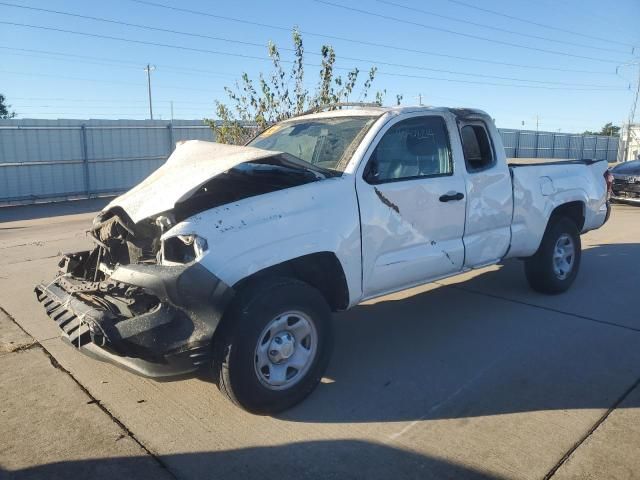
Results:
[581, 147]
[171, 142]
[537, 143]
[553, 145]
[85, 160]
[517, 152]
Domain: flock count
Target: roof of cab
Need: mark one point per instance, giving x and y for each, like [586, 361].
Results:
[370, 111]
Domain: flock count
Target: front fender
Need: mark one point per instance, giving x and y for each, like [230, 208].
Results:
[258, 232]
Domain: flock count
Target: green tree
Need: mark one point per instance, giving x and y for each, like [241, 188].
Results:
[609, 129]
[4, 109]
[282, 94]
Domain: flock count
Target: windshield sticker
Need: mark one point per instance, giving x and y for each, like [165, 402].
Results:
[271, 130]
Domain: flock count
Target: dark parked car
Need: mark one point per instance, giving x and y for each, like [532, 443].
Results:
[626, 182]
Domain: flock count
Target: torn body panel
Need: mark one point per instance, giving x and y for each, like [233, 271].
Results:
[155, 320]
[192, 164]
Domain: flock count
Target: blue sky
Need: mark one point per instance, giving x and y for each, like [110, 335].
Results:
[104, 78]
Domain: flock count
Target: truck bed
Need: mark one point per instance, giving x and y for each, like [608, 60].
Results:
[523, 162]
[539, 186]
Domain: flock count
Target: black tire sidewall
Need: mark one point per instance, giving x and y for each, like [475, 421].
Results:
[264, 303]
[539, 268]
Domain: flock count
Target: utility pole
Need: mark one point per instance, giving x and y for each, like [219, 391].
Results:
[419, 99]
[172, 110]
[149, 69]
[537, 122]
[632, 116]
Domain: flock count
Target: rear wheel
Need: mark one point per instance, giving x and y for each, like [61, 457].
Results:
[274, 346]
[555, 265]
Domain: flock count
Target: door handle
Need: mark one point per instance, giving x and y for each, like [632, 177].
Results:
[448, 197]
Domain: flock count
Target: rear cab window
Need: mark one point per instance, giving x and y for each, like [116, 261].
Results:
[476, 146]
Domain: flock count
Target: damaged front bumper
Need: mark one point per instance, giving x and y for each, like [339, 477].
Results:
[626, 191]
[172, 337]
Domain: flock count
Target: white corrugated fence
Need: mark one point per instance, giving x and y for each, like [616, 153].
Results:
[47, 160]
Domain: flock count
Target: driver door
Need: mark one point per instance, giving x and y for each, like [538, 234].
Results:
[412, 206]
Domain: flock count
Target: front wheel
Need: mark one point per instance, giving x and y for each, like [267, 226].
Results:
[555, 265]
[275, 345]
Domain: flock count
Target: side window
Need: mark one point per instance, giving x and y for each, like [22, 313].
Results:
[476, 146]
[413, 148]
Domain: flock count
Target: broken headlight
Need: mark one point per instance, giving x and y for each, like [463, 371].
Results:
[183, 248]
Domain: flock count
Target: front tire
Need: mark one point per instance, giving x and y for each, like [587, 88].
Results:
[274, 346]
[553, 268]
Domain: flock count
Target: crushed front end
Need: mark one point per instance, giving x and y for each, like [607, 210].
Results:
[134, 300]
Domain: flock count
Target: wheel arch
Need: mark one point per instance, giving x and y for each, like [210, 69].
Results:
[574, 211]
[321, 270]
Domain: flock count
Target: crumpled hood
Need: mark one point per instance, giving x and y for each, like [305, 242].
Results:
[191, 165]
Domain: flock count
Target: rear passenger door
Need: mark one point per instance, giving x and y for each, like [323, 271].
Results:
[412, 205]
[487, 233]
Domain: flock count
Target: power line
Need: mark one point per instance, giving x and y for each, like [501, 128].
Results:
[137, 25]
[498, 29]
[392, 74]
[97, 100]
[582, 13]
[413, 67]
[538, 24]
[99, 107]
[367, 43]
[377, 62]
[466, 35]
[140, 42]
[65, 77]
[218, 52]
[111, 61]
[177, 70]
[472, 82]
[80, 115]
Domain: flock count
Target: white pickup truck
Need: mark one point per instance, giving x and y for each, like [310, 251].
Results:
[234, 257]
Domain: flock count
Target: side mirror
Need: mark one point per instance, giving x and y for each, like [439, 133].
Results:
[372, 171]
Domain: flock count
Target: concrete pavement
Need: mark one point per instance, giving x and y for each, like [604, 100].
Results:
[51, 426]
[472, 377]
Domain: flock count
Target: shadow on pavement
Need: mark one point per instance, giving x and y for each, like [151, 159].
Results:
[448, 353]
[47, 210]
[317, 459]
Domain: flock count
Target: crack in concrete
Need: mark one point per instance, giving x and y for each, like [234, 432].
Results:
[20, 348]
[615, 405]
[595, 426]
[97, 402]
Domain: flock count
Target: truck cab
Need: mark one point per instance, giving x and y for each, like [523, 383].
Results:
[445, 178]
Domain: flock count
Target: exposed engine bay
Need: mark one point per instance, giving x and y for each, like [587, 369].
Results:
[140, 292]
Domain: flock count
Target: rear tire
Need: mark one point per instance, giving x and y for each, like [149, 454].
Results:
[274, 346]
[553, 268]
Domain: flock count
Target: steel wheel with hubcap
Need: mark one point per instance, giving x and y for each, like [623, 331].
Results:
[563, 256]
[286, 348]
[273, 345]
